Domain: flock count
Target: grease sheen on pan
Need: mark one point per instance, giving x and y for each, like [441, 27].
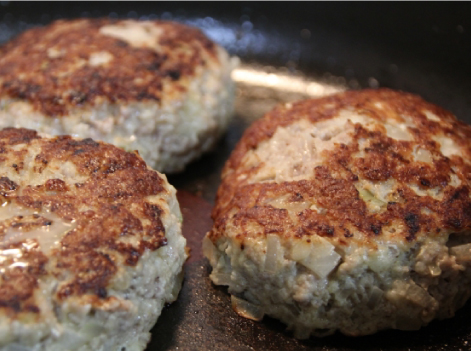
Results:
[90, 245]
[159, 87]
[350, 212]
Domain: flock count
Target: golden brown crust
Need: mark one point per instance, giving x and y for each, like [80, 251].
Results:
[317, 110]
[241, 203]
[18, 284]
[113, 220]
[49, 66]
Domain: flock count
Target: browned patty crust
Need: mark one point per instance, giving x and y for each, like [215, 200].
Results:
[46, 65]
[333, 183]
[113, 220]
[350, 212]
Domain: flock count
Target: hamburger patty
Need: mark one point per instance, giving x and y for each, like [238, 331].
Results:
[158, 87]
[90, 244]
[350, 212]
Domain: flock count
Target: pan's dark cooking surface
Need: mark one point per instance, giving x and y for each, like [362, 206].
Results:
[291, 51]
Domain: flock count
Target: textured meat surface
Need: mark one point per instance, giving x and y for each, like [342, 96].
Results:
[349, 212]
[90, 244]
[160, 87]
[71, 63]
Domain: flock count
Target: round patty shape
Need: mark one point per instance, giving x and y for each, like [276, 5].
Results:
[158, 87]
[90, 245]
[350, 212]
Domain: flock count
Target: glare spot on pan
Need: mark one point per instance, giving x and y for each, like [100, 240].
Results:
[285, 82]
[260, 88]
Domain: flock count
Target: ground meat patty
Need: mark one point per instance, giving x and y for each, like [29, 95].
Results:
[90, 245]
[159, 87]
[350, 212]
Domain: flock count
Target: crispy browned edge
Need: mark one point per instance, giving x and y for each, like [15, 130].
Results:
[54, 86]
[116, 180]
[332, 186]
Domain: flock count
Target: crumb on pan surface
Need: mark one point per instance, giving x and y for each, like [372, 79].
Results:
[350, 212]
[160, 87]
[90, 244]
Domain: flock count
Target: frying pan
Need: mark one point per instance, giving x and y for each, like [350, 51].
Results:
[310, 49]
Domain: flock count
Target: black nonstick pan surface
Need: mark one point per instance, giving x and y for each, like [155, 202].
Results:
[289, 51]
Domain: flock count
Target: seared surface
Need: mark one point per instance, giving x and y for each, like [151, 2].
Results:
[332, 184]
[86, 230]
[202, 315]
[73, 63]
[350, 212]
[158, 87]
[113, 181]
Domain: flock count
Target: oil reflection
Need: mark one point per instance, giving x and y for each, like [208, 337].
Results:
[308, 87]
[260, 88]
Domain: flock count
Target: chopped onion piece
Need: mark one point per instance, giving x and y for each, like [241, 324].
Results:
[323, 259]
[423, 155]
[300, 250]
[221, 278]
[462, 252]
[435, 271]
[209, 251]
[273, 249]
[375, 296]
[410, 291]
[321, 265]
[418, 295]
[246, 309]
[398, 132]
[369, 197]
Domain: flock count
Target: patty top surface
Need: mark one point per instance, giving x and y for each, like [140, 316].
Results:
[356, 168]
[73, 63]
[75, 211]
